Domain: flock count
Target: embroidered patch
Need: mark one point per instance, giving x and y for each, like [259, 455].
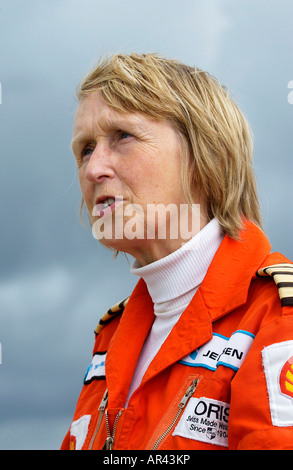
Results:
[220, 350]
[205, 420]
[207, 355]
[236, 349]
[286, 378]
[277, 362]
[78, 432]
[96, 370]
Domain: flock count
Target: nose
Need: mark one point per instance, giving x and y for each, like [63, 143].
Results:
[99, 165]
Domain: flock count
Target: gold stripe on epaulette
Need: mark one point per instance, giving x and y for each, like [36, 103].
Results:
[283, 276]
[117, 309]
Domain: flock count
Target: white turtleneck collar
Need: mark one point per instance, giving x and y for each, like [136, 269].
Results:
[181, 272]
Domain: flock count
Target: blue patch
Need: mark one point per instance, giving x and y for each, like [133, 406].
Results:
[221, 350]
[96, 370]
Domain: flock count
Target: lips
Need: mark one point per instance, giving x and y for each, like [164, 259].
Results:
[106, 204]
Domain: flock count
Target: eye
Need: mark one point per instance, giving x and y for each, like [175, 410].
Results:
[86, 151]
[124, 135]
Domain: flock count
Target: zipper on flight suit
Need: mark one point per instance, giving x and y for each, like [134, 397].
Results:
[189, 392]
[101, 409]
[110, 438]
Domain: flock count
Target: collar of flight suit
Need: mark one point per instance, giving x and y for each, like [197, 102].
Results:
[224, 288]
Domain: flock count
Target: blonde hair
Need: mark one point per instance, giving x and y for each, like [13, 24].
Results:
[216, 138]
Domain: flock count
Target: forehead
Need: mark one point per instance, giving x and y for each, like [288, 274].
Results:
[93, 111]
[92, 107]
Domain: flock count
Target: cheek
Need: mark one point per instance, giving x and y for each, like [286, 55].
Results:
[148, 180]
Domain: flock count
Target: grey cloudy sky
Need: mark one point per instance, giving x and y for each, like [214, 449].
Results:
[55, 281]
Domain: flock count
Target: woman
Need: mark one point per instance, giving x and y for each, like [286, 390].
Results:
[165, 169]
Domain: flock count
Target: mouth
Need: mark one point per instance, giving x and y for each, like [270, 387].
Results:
[105, 205]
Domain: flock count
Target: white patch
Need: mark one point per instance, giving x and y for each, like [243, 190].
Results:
[207, 355]
[275, 358]
[79, 430]
[205, 420]
[97, 368]
[220, 350]
[236, 349]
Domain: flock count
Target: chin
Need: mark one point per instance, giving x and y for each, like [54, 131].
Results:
[115, 244]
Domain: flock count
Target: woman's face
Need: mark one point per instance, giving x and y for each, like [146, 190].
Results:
[127, 161]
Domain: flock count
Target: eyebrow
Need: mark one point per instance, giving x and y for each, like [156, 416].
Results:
[78, 142]
[117, 122]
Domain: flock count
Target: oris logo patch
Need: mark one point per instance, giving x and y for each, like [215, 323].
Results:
[205, 420]
[212, 409]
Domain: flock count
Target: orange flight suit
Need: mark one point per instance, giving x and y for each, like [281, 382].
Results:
[223, 379]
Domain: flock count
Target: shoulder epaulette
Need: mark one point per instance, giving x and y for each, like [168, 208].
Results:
[283, 276]
[113, 312]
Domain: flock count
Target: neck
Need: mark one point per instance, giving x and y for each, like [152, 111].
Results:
[181, 271]
[149, 251]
